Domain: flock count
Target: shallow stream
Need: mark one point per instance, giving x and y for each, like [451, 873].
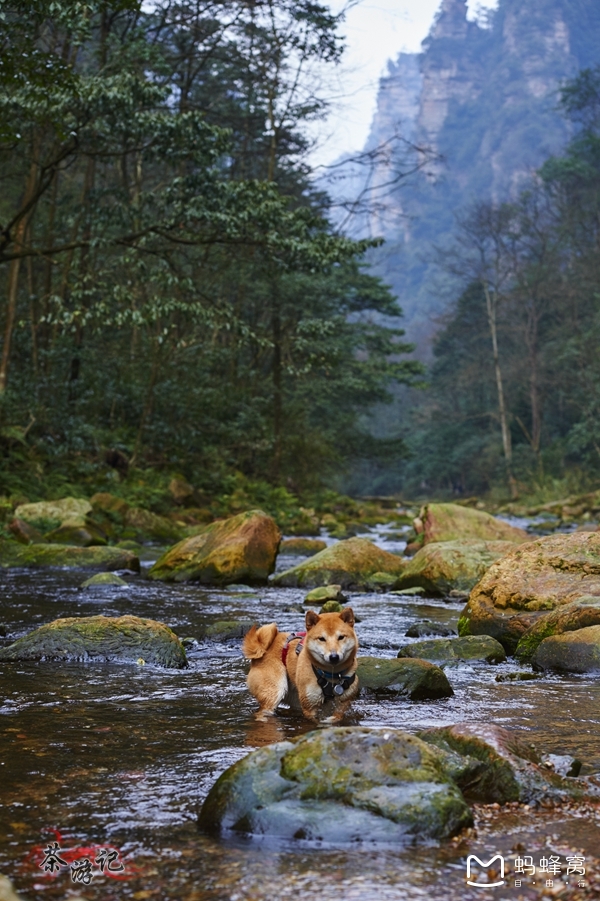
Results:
[118, 759]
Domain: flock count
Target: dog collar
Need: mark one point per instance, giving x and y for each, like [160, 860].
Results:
[333, 684]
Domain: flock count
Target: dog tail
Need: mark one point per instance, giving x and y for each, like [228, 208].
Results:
[258, 641]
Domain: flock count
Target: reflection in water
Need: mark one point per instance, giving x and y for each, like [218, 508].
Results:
[124, 755]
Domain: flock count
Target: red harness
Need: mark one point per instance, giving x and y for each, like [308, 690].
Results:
[292, 637]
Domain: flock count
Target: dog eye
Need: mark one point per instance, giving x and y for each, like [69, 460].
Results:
[341, 637]
[321, 638]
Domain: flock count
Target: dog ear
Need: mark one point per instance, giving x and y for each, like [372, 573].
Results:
[347, 615]
[312, 619]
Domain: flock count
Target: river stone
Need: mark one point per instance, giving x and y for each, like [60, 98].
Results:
[101, 579]
[497, 766]
[226, 629]
[471, 647]
[332, 607]
[348, 564]
[324, 594]
[416, 679]
[41, 555]
[427, 627]
[101, 638]
[525, 585]
[86, 535]
[109, 504]
[72, 510]
[181, 491]
[241, 549]
[149, 526]
[302, 547]
[571, 652]
[445, 566]
[452, 522]
[340, 785]
[24, 532]
[585, 611]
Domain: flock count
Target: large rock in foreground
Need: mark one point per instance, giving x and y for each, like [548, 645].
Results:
[571, 652]
[241, 549]
[579, 614]
[340, 785]
[451, 522]
[349, 564]
[536, 578]
[34, 556]
[494, 765]
[100, 638]
[418, 680]
[445, 566]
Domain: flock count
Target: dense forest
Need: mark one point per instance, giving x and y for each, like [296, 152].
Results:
[514, 389]
[175, 298]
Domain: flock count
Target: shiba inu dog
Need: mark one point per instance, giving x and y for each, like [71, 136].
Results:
[314, 671]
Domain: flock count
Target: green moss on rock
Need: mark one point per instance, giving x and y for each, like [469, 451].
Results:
[43, 555]
[471, 647]
[445, 566]
[349, 564]
[416, 679]
[100, 638]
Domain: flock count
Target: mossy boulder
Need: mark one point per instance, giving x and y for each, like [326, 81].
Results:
[101, 580]
[143, 525]
[382, 582]
[241, 549]
[349, 564]
[418, 680]
[302, 547]
[110, 504]
[341, 785]
[570, 652]
[453, 522]
[579, 614]
[223, 630]
[85, 535]
[42, 555]
[100, 638]
[324, 594]
[46, 515]
[445, 566]
[426, 627]
[530, 582]
[495, 765]
[447, 650]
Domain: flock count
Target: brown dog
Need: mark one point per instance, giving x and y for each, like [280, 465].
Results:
[315, 672]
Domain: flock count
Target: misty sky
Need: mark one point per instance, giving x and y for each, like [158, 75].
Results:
[376, 30]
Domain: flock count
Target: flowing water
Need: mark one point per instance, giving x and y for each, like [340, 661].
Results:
[116, 760]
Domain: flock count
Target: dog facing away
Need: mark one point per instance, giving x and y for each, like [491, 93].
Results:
[315, 673]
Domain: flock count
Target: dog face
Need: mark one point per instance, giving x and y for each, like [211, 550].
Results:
[330, 638]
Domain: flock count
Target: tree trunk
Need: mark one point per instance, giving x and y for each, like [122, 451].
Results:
[506, 441]
[277, 386]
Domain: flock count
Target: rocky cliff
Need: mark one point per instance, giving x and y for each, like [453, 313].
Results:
[477, 111]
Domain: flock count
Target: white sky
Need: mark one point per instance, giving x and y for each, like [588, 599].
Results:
[376, 31]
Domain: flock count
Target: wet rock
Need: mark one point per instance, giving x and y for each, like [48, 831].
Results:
[100, 638]
[523, 676]
[24, 532]
[240, 549]
[324, 594]
[410, 592]
[426, 627]
[471, 647]
[101, 579]
[348, 563]
[563, 764]
[41, 555]
[527, 584]
[333, 607]
[497, 766]
[226, 629]
[110, 504]
[339, 785]
[585, 611]
[571, 652]
[453, 522]
[446, 566]
[418, 680]
[382, 582]
[145, 525]
[86, 535]
[50, 514]
[302, 547]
